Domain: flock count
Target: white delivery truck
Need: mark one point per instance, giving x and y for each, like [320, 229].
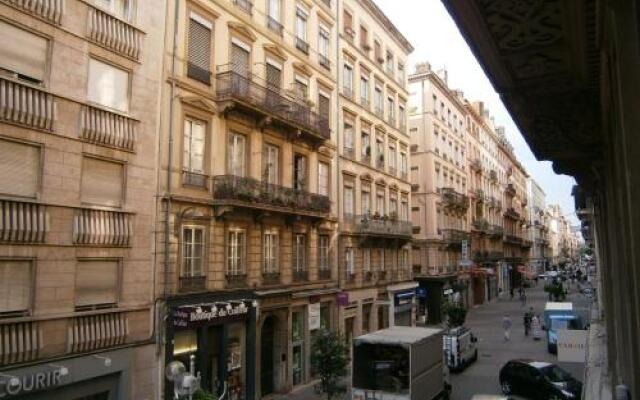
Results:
[399, 363]
[459, 345]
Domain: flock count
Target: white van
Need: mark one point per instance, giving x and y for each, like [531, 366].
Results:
[460, 349]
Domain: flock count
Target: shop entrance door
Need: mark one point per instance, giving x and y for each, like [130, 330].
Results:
[267, 356]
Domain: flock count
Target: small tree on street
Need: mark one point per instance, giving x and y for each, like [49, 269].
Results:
[329, 358]
[456, 314]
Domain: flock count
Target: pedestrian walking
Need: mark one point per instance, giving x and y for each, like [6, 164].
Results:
[536, 328]
[506, 325]
[523, 297]
[511, 293]
[527, 321]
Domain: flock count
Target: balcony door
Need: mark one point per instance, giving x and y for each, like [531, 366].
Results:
[299, 172]
[270, 164]
[236, 155]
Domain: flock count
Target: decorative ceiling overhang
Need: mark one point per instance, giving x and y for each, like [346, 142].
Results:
[541, 57]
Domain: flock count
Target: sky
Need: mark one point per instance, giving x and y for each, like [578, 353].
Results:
[436, 39]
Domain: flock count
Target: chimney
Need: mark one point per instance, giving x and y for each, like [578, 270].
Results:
[423, 68]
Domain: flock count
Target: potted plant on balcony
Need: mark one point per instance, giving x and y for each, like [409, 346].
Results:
[393, 216]
[376, 216]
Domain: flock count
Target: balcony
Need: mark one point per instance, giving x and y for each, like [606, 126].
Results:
[441, 270]
[382, 275]
[192, 283]
[107, 128]
[385, 227]
[300, 275]
[195, 179]
[493, 175]
[26, 105]
[302, 45]
[235, 91]
[324, 61]
[367, 276]
[236, 279]
[50, 10]
[270, 278]
[324, 273]
[495, 256]
[198, 73]
[114, 33]
[349, 153]
[475, 165]
[454, 237]
[510, 190]
[512, 239]
[495, 231]
[244, 5]
[274, 25]
[102, 228]
[512, 213]
[453, 199]
[350, 277]
[403, 274]
[526, 243]
[22, 222]
[480, 224]
[478, 194]
[248, 192]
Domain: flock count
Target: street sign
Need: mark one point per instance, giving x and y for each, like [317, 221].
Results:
[465, 250]
[572, 345]
[314, 316]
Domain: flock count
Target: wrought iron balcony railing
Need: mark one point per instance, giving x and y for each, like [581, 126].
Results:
[302, 45]
[270, 102]
[382, 226]
[451, 198]
[192, 283]
[270, 278]
[454, 236]
[244, 5]
[479, 195]
[526, 243]
[512, 239]
[324, 61]
[324, 273]
[510, 190]
[495, 231]
[512, 213]
[475, 164]
[236, 279]
[300, 275]
[493, 175]
[274, 25]
[231, 189]
[480, 224]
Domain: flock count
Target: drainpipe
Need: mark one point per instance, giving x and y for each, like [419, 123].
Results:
[338, 174]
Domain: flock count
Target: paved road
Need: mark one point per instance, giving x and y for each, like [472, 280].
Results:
[494, 352]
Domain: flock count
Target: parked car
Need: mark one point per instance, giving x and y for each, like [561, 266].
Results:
[489, 397]
[538, 380]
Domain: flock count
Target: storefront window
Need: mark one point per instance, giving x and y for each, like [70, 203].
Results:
[185, 343]
[297, 336]
[236, 361]
[325, 316]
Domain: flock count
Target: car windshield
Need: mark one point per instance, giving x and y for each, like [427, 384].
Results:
[555, 374]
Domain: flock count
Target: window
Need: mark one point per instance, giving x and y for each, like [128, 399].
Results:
[240, 55]
[402, 117]
[270, 164]
[96, 283]
[347, 80]
[381, 259]
[323, 46]
[380, 153]
[377, 49]
[366, 317]
[199, 49]
[404, 209]
[274, 74]
[299, 172]
[392, 110]
[348, 200]
[323, 178]
[301, 87]
[300, 252]
[270, 251]
[273, 10]
[301, 23]
[390, 67]
[23, 53]
[108, 85]
[102, 182]
[380, 202]
[364, 38]
[16, 287]
[365, 142]
[378, 101]
[349, 257]
[403, 164]
[393, 204]
[194, 146]
[235, 252]
[236, 155]
[364, 90]
[192, 251]
[348, 139]
[401, 75]
[324, 106]
[348, 23]
[19, 169]
[366, 260]
[366, 200]
[121, 8]
[323, 252]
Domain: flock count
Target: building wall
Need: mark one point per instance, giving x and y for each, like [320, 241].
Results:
[83, 132]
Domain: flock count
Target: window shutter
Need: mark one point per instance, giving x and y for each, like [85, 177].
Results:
[323, 106]
[240, 60]
[15, 285]
[199, 51]
[102, 182]
[96, 282]
[274, 77]
[19, 168]
[22, 52]
[108, 85]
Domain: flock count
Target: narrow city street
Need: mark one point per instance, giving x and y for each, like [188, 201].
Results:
[493, 352]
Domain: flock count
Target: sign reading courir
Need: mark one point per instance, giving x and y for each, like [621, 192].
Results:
[11, 386]
[195, 315]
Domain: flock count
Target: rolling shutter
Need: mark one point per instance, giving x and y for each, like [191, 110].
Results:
[19, 168]
[240, 60]
[199, 51]
[96, 282]
[15, 285]
[22, 52]
[102, 182]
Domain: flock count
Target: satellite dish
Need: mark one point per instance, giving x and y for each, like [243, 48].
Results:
[174, 370]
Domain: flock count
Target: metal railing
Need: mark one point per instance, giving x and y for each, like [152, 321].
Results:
[324, 273]
[452, 198]
[481, 224]
[194, 179]
[244, 5]
[495, 231]
[300, 275]
[454, 236]
[302, 45]
[512, 239]
[192, 283]
[475, 164]
[511, 213]
[236, 280]
[252, 191]
[270, 101]
[382, 225]
[324, 61]
[270, 278]
[274, 25]
[510, 190]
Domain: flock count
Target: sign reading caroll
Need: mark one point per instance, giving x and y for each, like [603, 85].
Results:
[11, 386]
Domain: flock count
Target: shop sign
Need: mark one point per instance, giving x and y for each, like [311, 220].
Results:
[447, 292]
[343, 299]
[314, 316]
[421, 292]
[572, 345]
[11, 386]
[205, 314]
[465, 250]
[402, 298]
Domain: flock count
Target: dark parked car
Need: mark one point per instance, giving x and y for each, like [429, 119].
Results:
[539, 380]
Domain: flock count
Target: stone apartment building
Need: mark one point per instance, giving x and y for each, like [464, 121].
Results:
[486, 217]
[374, 247]
[79, 84]
[440, 201]
[538, 226]
[247, 190]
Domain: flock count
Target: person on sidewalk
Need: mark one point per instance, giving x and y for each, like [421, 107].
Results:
[528, 315]
[506, 325]
[535, 326]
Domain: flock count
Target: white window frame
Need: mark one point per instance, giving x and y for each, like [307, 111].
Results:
[270, 251]
[236, 251]
[183, 258]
